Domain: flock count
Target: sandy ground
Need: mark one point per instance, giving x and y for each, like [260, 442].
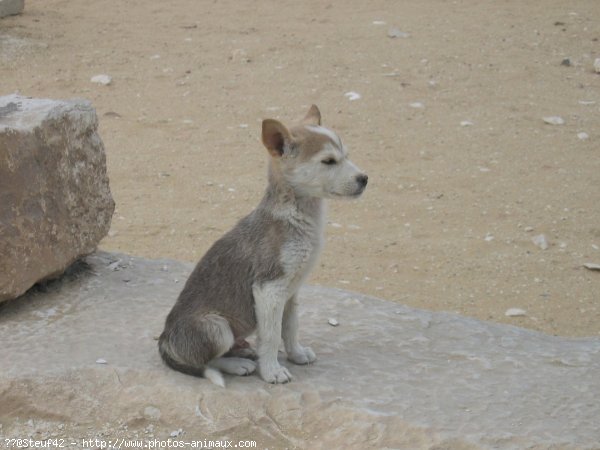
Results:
[447, 220]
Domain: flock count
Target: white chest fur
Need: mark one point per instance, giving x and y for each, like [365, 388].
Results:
[302, 247]
[298, 257]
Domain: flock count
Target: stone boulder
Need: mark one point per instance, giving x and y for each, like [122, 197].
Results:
[80, 361]
[55, 201]
[11, 7]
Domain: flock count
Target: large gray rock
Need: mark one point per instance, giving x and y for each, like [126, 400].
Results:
[11, 7]
[79, 360]
[55, 202]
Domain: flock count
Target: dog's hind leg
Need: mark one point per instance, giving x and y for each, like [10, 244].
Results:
[190, 343]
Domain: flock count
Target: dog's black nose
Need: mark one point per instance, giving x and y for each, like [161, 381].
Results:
[362, 179]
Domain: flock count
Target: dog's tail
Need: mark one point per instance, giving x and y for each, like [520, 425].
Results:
[171, 360]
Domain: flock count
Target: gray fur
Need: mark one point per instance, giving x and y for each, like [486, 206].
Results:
[221, 283]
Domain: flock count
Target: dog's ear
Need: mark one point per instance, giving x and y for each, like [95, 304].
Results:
[313, 116]
[275, 136]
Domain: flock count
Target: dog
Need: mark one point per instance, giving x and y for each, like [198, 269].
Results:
[248, 281]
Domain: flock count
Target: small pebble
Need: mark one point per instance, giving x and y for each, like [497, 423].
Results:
[417, 105]
[352, 95]
[528, 229]
[239, 55]
[397, 33]
[101, 361]
[151, 412]
[583, 135]
[592, 266]
[566, 62]
[176, 433]
[488, 237]
[597, 65]
[515, 312]
[333, 322]
[378, 22]
[466, 123]
[541, 241]
[554, 120]
[102, 79]
[116, 265]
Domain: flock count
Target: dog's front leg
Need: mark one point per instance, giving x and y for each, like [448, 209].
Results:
[269, 303]
[296, 353]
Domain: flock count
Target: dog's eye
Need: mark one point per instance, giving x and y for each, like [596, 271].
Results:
[329, 161]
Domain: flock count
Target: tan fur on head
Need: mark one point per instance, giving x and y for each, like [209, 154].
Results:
[311, 159]
[275, 135]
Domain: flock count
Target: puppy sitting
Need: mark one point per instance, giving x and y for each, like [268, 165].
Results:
[249, 279]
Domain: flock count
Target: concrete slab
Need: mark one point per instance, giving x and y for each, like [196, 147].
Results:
[79, 360]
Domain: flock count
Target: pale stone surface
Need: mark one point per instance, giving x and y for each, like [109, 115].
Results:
[387, 377]
[55, 201]
[11, 7]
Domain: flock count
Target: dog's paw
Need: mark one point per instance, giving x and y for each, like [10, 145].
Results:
[304, 355]
[245, 367]
[235, 365]
[276, 375]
